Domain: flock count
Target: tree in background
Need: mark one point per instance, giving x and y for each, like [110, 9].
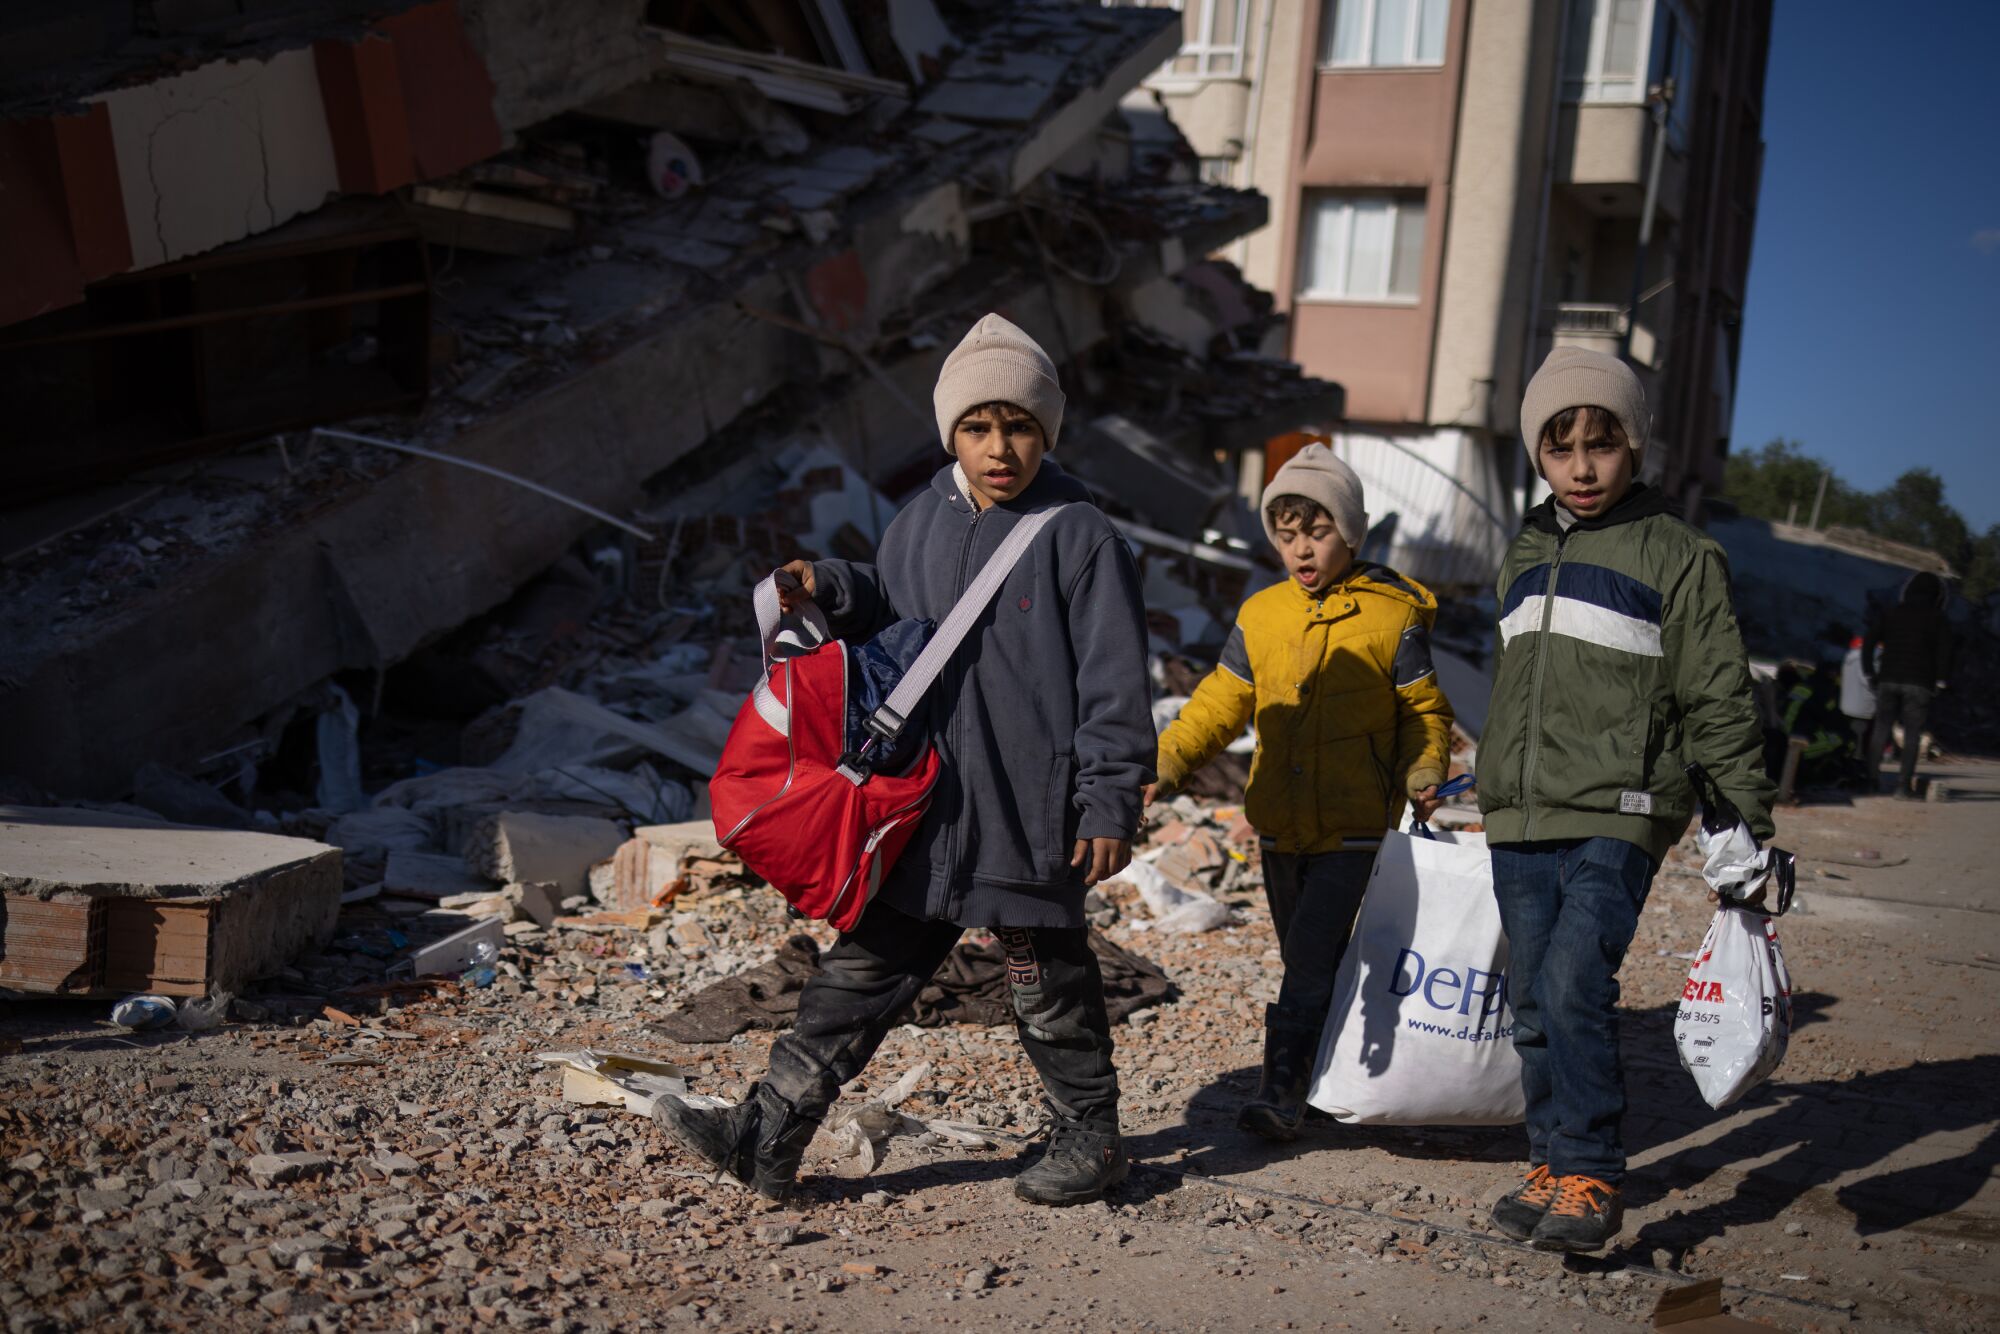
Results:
[1770, 482]
[1982, 572]
[1912, 509]
[1781, 480]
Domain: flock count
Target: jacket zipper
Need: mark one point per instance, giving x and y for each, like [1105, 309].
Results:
[959, 671]
[1535, 691]
[1306, 818]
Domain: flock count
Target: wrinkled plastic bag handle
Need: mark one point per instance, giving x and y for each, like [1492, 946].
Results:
[1462, 783]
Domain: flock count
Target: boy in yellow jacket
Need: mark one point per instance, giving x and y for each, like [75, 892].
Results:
[1334, 667]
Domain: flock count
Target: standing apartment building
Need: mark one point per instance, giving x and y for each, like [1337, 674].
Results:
[1456, 187]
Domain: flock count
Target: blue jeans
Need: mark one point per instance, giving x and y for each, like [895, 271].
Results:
[1570, 910]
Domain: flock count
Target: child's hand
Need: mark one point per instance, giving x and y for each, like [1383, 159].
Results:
[799, 589]
[1424, 804]
[1101, 858]
[1148, 795]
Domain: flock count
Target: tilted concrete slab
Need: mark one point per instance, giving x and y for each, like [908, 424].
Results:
[391, 563]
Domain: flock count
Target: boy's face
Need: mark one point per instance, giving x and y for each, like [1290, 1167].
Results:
[1313, 551]
[1590, 467]
[1001, 451]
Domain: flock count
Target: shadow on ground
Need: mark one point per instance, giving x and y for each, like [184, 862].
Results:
[957, 1167]
[1208, 1142]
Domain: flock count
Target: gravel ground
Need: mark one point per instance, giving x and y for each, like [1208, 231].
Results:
[405, 1162]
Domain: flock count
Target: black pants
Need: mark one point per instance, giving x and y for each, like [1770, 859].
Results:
[1314, 900]
[868, 979]
[1910, 706]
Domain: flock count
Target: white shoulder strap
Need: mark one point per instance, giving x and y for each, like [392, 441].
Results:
[806, 629]
[887, 721]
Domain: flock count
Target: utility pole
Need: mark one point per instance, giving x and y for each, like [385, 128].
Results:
[1820, 499]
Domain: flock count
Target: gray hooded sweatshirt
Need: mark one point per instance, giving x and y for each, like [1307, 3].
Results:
[1043, 718]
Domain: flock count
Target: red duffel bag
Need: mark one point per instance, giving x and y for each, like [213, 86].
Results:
[790, 797]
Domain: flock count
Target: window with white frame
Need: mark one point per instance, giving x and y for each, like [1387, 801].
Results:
[1619, 50]
[1361, 247]
[1212, 34]
[1382, 33]
[1605, 57]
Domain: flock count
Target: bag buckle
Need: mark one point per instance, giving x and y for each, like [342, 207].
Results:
[854, 765]
[885, 725]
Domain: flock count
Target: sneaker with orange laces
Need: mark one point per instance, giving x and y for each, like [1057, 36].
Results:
[1522, 1207]
[1584, 1215]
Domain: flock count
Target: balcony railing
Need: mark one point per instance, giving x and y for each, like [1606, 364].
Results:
[1578, 317]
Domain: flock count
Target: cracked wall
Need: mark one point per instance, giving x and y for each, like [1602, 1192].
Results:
[220, 153]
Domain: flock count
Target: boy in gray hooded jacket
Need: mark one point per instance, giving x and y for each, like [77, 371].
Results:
[1043, 724]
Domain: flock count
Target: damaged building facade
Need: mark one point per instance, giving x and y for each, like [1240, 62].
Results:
[1458, 186]
[417, 387]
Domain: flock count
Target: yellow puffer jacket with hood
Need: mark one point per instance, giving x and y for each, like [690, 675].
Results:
[1346, 703]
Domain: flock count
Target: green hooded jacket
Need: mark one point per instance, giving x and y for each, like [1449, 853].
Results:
[1619, 661]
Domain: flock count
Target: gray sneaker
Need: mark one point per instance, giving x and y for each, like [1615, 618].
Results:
[1081, 1162]
[1519, 1211]
[1584, 1216]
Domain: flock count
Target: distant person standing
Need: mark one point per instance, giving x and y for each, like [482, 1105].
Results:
[1910, 646]
[1857, 702]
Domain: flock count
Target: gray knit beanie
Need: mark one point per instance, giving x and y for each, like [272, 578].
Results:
[1318, 475]
[998, 363]
[1575, 377]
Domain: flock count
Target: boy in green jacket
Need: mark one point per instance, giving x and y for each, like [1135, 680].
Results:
[1619, 661]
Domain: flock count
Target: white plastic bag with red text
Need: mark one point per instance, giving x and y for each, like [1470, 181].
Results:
[1735, 1015]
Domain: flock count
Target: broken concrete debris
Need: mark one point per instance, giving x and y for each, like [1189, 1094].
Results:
[100, 904]
[645, 307]
[653, 865]
[740, 366]
[522, 847]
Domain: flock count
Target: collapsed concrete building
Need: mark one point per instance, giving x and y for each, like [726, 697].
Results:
[382, 361]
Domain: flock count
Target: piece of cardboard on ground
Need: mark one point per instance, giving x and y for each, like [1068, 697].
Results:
[1696, 1308]
[97, 903]
[620, 1079]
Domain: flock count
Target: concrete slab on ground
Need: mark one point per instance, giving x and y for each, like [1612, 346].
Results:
[98, 903]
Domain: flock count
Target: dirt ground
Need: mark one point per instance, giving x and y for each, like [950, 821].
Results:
[441, 1182]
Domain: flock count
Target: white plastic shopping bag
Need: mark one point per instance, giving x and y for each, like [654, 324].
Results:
[1735, 1015]
[1420, 1031]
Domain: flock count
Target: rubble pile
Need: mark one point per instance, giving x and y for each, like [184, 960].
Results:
[434, 1152]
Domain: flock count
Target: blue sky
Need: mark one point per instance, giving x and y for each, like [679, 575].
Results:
[1872, 324]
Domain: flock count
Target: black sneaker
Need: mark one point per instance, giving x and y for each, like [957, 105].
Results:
[1584, 1215]
[1081, 1162]
[759, 1142]
[1520, 1209]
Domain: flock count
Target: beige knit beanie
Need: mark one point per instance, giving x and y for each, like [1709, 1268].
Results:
[1575, 377]
[998, 363]
[1318, 475]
